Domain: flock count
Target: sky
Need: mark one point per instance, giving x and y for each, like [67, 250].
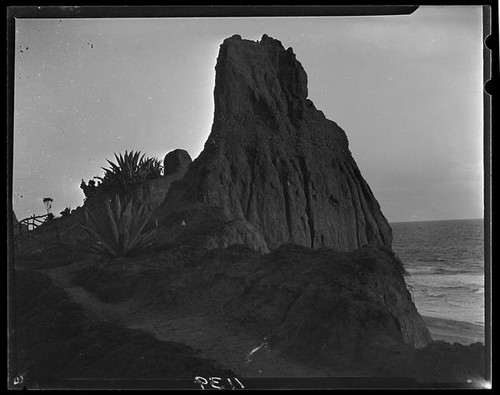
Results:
[407, 90]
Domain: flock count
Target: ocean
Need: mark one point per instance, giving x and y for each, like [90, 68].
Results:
[445, 260]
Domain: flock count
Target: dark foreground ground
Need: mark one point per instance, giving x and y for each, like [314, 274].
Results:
[60, 342]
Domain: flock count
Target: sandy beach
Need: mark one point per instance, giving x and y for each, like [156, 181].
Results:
[454, 331]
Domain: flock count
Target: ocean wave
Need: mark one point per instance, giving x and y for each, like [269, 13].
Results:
[451, 292]
[461, 288]
[445, 262]
[449, 281]
[435, 295]
[423, 270]
[430, 271]
[441, 270]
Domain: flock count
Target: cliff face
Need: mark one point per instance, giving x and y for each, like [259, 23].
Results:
[321, 303]
[276, 173]
[273, 160]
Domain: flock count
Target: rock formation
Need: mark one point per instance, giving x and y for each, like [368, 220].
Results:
[317, 303]
[275, 173]
[274, 161]
[176, 161]
[175, 165]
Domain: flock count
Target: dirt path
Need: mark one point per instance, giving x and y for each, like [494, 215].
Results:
[117, 313]
[231, 348]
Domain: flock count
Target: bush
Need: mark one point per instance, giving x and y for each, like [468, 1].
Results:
[66, 212]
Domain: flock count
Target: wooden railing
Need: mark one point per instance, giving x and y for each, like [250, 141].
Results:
[33, 222]
[30, 234]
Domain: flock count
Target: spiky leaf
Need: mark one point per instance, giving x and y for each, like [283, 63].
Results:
[112, 222]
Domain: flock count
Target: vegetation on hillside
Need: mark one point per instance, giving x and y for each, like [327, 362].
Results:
[130, 170]
[121, 233]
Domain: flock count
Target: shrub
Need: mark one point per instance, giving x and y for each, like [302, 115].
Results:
[130, 169]
[122, 233]
[151, 168]
[66, 212]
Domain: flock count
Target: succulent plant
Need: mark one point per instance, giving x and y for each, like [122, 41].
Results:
[122, 233]
[130, 169]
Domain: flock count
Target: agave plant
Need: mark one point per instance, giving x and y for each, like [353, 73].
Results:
[123, 232]
[151, 168]
[130, 169]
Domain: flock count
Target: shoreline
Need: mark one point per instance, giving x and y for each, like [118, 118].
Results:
[453, 331]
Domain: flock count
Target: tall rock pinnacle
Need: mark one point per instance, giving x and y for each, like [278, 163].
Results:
[274, 160]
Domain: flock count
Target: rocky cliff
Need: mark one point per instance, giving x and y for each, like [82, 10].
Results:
[274, 161]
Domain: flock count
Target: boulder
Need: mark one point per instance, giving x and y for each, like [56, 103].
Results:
[176, 161]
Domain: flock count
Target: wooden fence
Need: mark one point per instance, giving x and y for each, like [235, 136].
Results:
[30, 229]
[32, 222]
